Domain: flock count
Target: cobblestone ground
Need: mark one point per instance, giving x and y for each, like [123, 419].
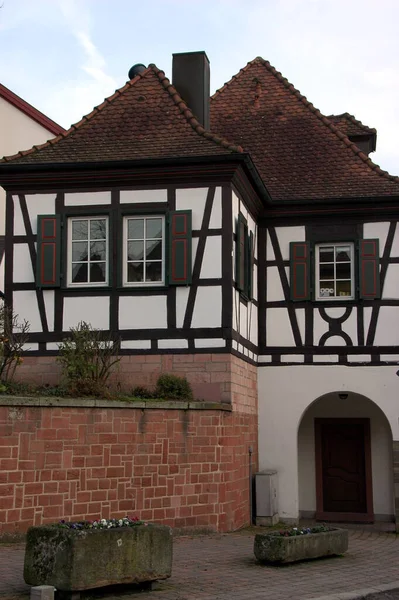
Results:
[222, 567]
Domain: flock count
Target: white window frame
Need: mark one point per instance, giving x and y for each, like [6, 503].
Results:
[71, 283]
[317, 271]
[127, 283]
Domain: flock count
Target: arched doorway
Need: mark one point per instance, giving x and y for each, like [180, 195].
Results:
[345, 460]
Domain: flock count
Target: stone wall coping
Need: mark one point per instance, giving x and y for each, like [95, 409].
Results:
[55, 402]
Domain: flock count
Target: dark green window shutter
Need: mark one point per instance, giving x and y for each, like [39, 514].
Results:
[48, 251]
[369, 269]
[180, 244]
[300, 271]
[241, 253]
[250, 264]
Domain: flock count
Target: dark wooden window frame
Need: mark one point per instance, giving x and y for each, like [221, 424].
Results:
[321, 515]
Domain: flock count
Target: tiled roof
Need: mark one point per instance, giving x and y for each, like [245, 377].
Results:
[144, 119]
[299, 153]
[349, 125]
[30, 111]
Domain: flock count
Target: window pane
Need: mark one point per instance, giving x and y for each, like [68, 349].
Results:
[326, 254]
[153, 271]
[135, 272]
[326, 289]
[79, 251]
[79, 273]
[154, 228]
[153, 250]
[343, 253]
[135, 250]
[98, 229]
[79, 230]
[97, 251]
[326, 271]
[97, 272]
[135, 229]
[344, 288]
[343, 270]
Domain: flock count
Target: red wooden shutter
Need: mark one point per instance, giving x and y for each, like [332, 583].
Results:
[180, 243]
[300, 271]
[369, 269]
[48, 251]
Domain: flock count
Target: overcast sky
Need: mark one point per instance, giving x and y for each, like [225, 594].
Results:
[65, 56]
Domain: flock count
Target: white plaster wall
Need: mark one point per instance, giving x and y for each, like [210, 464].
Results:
[274, 288]
[284, 395]
[39, 204]
[25, 306]
[212, 260]
[142, 312]
[278, 326]
[355, 406]
[387, 330]
[19, 226]
[208, 307]
[88, 198]
[216, 214]
[92, 309]
[285, 235]
[391, 285]
[48, 296]
[22, 267]
[376, 230]
[133, 196]
[192, 199]
[18, 132]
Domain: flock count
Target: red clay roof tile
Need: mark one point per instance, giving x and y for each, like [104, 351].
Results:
[299, 153]
[146, 118]
[349, 125]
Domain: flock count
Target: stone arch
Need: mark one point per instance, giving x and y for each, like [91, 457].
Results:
[347, 405]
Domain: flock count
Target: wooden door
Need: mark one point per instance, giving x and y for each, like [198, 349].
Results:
[343, 470]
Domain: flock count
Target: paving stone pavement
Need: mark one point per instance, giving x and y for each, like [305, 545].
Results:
[223, 567]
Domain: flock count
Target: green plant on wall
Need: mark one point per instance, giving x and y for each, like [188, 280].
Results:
[88, 357]
[13, 335]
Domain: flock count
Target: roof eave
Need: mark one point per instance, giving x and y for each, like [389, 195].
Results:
[10, 169]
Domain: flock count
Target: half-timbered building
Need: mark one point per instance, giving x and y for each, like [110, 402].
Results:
[246, 228]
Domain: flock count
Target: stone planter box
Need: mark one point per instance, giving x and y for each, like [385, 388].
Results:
[279, 550]
[72, 561]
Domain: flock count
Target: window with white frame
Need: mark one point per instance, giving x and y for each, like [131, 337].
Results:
[144, 250]
[88, 251]
[335, 271]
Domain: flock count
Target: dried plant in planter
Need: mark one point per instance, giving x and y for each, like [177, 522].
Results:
[88, 357]
[13, 335]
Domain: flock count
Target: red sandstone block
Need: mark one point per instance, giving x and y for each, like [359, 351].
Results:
[99, 495]
[67, 434]
[6, 502]
[13, 515]
[8, 464]
[26, 465]
[53, 459]
[5, 452]
[114, 472]
[46, 434]
[94, 508]
[59, 475]
[107, 438]
[92, 484]
[96, 449]
[27, 514]
[80, 508]
[63, 486]
[78, 462]
[14, 476]
[52, 512]
[94, 461]
[104, 484]
[32, 489]
[72, 474]
[126, 505]
[112, 495]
